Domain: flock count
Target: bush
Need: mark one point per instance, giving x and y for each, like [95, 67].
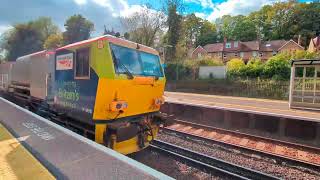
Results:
[208, 61]
[278, 67]
[254, 68]
[235, 67]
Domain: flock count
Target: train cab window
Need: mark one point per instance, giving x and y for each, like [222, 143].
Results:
[151, 65]
[82, 68]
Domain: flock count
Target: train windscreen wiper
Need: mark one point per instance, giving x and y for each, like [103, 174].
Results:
[127, 71]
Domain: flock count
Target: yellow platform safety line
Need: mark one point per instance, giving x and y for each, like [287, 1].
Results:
[16, 162]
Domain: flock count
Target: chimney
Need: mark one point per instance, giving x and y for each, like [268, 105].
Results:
[225, 40]
[299, 40]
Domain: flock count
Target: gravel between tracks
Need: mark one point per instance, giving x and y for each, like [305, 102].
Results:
[171, 167]
[263, 164]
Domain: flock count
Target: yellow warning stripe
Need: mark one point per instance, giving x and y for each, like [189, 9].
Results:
[16, 162]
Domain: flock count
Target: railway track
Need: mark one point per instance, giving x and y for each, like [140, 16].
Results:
[208, 163]
[295, 153]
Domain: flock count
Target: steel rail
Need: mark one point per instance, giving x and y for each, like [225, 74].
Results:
[209, 163]
[286, 158]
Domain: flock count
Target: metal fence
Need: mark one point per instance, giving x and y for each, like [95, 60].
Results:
[254, 88]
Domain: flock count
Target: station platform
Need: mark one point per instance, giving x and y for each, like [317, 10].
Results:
[246, 105]
[32, 147]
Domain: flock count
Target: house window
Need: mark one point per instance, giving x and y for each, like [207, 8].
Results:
[274, 53]
[235, 44]
[228, 45]
[241, 54]
[82, 69]
[199, 55]
[254, 54]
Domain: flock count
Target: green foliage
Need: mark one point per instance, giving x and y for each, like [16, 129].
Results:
[179, 71]
[45, 26]
[208, 38]
[254, 68]
[237, 28]
[235, 67]
[207, 61]
[54, 41]
[21, 40]
[27, 37]
[78, 28]
[278, 67]
[174, 29]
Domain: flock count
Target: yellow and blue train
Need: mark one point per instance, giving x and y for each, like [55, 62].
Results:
[110, 83]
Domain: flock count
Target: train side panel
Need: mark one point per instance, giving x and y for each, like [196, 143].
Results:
[75, 96]
[21, 72]
[32, 73]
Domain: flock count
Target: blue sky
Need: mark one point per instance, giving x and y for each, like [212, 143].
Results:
[107, 12]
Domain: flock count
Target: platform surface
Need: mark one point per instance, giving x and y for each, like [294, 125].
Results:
[250, 105]
[16, 162]
[65, 154]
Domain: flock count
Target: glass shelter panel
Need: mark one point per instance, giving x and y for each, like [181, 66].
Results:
[306, 86]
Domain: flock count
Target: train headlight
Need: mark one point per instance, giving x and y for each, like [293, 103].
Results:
[118, 106]
[158, 101]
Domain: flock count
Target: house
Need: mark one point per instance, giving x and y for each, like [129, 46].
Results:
[314, 45]
[245, 50]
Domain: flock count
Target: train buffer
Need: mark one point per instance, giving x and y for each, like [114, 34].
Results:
[32, 147]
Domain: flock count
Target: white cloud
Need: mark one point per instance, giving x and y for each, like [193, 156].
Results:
[231, 7]
[201, 15]
[203, 3]
[119, 7]
[4, 28]
[80, 2]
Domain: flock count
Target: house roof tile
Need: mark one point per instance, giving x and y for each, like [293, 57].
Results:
[274, 45]
[217, 47]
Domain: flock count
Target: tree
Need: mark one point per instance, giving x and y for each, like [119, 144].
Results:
[174, 29]
[78, 28]
[126, 35]
[22, 39]
[144, 25]
[282, 19]
[239, 28]
[54, 41]
[45, 26]
[208, 34]
[192, 27]
[306, 21]
[27, 37]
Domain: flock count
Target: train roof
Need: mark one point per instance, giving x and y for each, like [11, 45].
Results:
[39, 53]
[115, 40]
